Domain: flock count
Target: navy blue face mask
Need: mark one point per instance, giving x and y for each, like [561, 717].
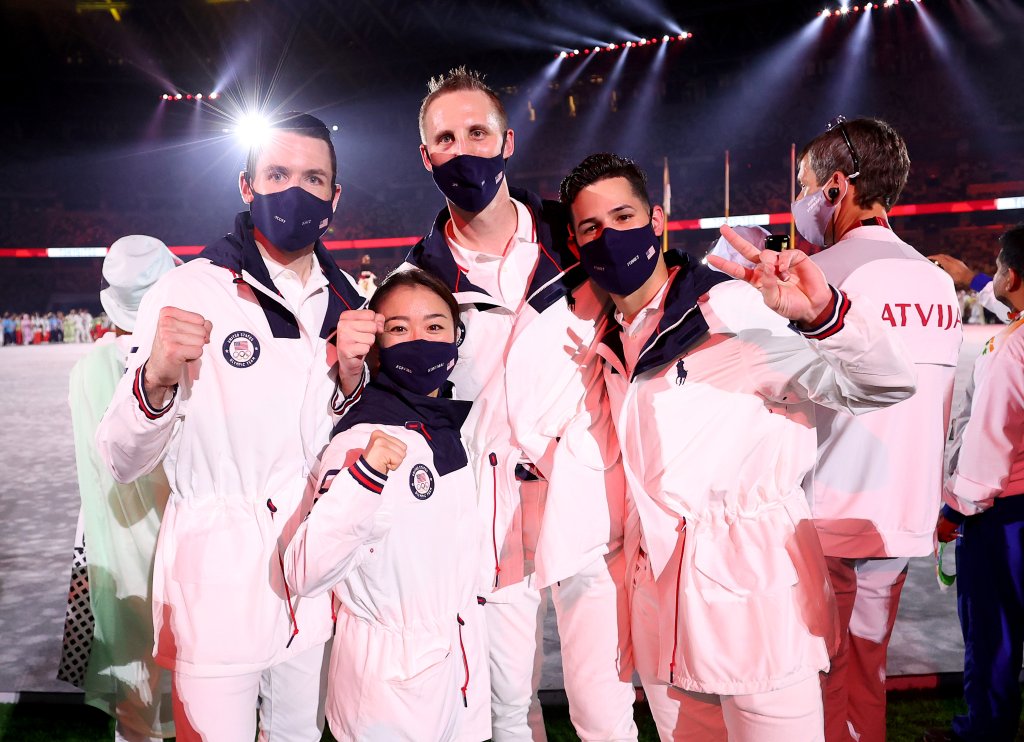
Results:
[419, 366]
[291, 219]
[471, 182]
[620, 261]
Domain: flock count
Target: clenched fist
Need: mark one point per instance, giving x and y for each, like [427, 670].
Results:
[357, 331]
[384, 453]
[180, 337]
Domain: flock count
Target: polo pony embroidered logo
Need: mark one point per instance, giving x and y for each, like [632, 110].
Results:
[680, 372]
[241, 349]
[421, 482]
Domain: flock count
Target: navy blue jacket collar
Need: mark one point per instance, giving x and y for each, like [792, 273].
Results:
[558, 270]
[237, 252]
[682, 325]
[438, 419]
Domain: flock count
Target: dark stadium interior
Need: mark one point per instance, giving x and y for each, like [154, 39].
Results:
[92, 151]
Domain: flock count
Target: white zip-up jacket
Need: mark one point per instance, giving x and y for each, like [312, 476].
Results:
[547, 406]
[401, 553]
[238, 441]
[715, 448]
[877, 483]
[988, 446]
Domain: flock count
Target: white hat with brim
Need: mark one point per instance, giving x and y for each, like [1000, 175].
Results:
[133, 264]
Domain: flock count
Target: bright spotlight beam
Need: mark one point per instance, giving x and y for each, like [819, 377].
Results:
[252, 130]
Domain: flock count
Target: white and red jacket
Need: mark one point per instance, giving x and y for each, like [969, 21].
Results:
[401, 553]
[238, 440]
[988, 460]
[715, 448]
[528, 363]
[878, 481]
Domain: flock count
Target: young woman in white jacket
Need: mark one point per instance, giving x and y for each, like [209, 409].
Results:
[393, 532]
[731, 613]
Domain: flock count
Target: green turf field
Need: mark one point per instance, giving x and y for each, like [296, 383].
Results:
[909, 715]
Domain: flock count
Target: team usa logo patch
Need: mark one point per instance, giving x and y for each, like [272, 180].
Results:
[241, 349]
[421, 482]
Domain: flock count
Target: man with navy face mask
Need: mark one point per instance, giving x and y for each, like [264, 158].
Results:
[551, 489]
[231, 384]
[878, 480]
[731, 612]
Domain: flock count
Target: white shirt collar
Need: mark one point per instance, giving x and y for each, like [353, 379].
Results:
[655, 306]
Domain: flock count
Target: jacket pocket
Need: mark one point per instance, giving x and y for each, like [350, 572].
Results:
[737, 563]
[217, 545]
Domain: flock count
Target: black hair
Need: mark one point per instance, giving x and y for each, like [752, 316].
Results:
[301, 123]
[601, 167]
[1011, 253]
[415, 277]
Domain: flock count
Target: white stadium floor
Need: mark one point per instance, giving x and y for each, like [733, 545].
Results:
[39, 507]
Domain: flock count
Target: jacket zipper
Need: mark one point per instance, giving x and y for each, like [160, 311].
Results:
[493, 458]
[287, 592]
[675, 632]
[465, 661]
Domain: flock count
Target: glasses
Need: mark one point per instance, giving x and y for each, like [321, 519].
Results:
[839, 122]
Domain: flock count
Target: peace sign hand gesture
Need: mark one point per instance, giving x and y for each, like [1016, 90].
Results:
[790, 284]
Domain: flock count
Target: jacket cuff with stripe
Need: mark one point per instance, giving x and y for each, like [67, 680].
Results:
[834, 322]
[341, 402]
[148, 409]
[367, 476]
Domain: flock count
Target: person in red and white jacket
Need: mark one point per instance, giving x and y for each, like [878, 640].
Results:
[393, 532]
[731, 609]
[985, 507]
[878, 478]
[231, 384]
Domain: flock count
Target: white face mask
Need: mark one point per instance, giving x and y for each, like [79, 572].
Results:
[812, 215]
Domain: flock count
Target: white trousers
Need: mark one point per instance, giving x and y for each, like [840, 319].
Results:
[290, 697]
[790, 714]
[593, 627]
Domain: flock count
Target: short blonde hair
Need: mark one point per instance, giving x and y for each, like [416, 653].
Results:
[459, 78]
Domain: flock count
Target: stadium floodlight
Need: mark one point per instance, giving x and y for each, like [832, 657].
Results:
[252, 130]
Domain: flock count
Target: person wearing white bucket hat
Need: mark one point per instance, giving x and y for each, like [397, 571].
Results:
[108, 637]
[133, 264]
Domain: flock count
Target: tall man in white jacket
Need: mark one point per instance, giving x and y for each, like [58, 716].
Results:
[878, 479]
[231, 384]
[551, 489]
[730, 607]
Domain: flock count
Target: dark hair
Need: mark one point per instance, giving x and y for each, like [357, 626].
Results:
[459, 78]
[300, 123]
[413, 278]
[1011, 253]
[884, 161]
[601, 167]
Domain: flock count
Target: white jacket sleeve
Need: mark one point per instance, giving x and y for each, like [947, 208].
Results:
[347, 518]
[987, 297]
[133, 435]
[993, 437]
[851, 362]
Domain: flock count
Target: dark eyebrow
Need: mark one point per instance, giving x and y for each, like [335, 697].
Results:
[396, 317]
[435, 316]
